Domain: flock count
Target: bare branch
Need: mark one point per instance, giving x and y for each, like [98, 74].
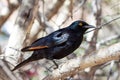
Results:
[18, 35]
[75, 65]
[12, 8]
[99, 27]
[32, 15]
[71, 9]
[5, 73]
[55, 9]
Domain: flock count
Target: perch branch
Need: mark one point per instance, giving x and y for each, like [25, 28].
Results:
[75, 65]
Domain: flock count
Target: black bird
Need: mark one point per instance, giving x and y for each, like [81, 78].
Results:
[58, 44]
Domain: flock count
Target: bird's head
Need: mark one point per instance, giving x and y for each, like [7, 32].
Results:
[80, 26]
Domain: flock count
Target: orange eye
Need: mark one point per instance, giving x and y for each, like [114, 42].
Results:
[80, 24]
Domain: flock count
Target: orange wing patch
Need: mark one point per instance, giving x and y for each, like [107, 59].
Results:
[38, 47]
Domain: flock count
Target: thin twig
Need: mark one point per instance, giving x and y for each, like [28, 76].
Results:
[71, 9]
[110, 71]
[99, 27]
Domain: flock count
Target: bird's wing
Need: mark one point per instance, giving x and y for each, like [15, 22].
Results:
[51, 40]
[60, 38]
[38, 44]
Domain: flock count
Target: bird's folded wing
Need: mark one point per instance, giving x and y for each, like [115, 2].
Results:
[60, 38]
[38, 47]
[29, 48]
[42, 43]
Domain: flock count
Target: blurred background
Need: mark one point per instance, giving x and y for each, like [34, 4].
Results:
[56, 14]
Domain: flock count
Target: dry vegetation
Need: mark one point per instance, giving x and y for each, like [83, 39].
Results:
[23, 21]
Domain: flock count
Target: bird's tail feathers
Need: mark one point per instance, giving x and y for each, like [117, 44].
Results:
[22, 63]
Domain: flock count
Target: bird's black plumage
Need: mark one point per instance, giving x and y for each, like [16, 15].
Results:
[58, 44]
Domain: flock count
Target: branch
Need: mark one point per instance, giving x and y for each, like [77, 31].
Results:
[23, 21]
[12, 8]
[96, 7]
[55, 9]
[31, 18]
[5, 73]
[75, 65]
[99, 27]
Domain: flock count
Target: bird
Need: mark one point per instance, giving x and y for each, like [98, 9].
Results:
[57, 44]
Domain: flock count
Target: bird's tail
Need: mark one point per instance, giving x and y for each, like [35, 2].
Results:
[22, 63]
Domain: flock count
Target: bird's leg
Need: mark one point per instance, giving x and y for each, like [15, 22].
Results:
[55, 64]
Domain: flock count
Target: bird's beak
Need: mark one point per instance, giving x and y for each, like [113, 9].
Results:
[90, 26]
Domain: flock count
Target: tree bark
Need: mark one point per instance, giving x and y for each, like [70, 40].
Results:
[23, 25]
[75, 65]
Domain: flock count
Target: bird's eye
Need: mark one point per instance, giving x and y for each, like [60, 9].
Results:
[80, 24]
